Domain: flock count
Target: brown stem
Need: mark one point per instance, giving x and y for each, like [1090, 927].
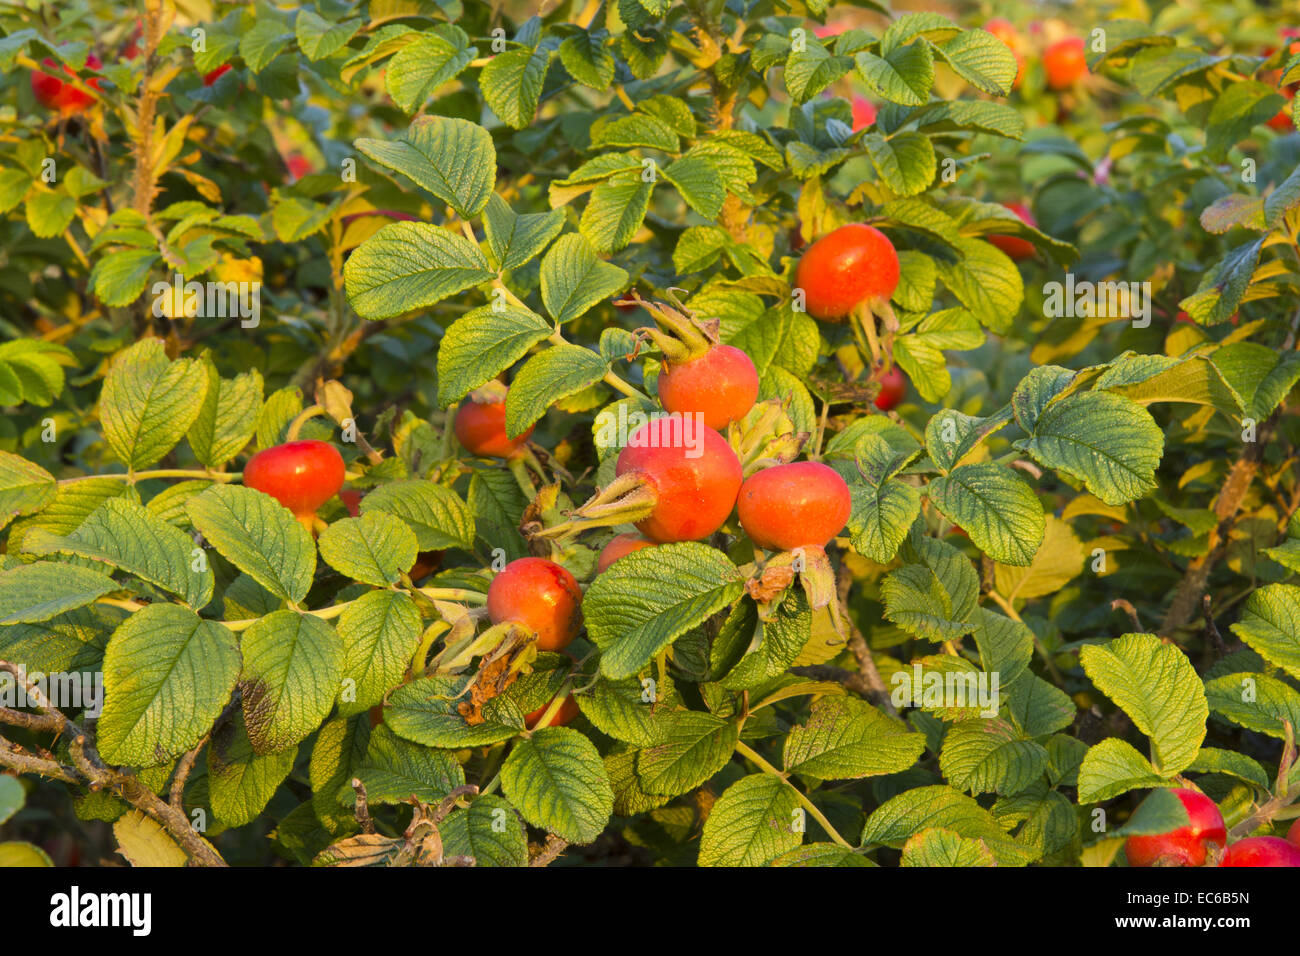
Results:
[363, 807]
[547, 853]
[91, 771]
[1187, 597]
[876, 690]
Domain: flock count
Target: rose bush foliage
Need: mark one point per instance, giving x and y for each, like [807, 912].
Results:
[1096, 508]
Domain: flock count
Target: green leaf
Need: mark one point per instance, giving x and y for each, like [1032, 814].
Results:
[292, 668]
[418, 69]
[12, 797]
[996, 508]
[241, 782]
[515, 240]
[424, 711]
[986, 282]
[488, 830]
[1213, 760]
[917, 600]
[17, 853]
[651, 597]
[847, 739]
[898, 819]
[637, 130]
[1241, 105]
[375, 549]
[811, 69]
[587, 60]
[49, 213]
[453, 159]
[125, 535]
[883, 508]
[149, 402]
[1257, 702]
[25, 487]
[434, 512]
[380, 631]
[483, 343]
[615, 211]
[37, 592]
[263, 43]
[1156, 685]
[319, 38]
[1113, 767]
[167, 676]
[549, 377]
[119, 277]
[822, 854]
[558, 782]
[626, 710]
[1005, 646]
[691, 748]
[259, 536]
[981, 59]
[903, 76]
[1038, 708]
[990, 756]
[1109, 442]
[227, 419]
[408, 266]
[574, 279]
[698, 182]
[1270, 624]
[1221, 288]
[939, 847]
[394, 770]
[905, 163]
[751, 824]
[512, 84]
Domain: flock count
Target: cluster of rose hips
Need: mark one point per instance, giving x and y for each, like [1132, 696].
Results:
[692, 483]
[1206, 835]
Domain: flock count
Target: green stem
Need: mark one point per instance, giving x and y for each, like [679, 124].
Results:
[161, 473]
[519, 468]
[754, 757]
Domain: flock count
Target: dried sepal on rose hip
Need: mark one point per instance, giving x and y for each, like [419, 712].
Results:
[480, 424]
[699, 375]
[301, 475]
[542, 596]
[677, 480]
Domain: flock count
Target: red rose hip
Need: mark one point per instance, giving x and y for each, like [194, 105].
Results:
[566, 712]
[804, 504]
[1065, 63]
[893, 386]
[1261, 851]
[540, 595]
[618, 546]
[1186, 846]
[481, 429]
[56, 94]
[1015, 247]
[301, 475]
[852, 265]
[694, 474]
[721, 385]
